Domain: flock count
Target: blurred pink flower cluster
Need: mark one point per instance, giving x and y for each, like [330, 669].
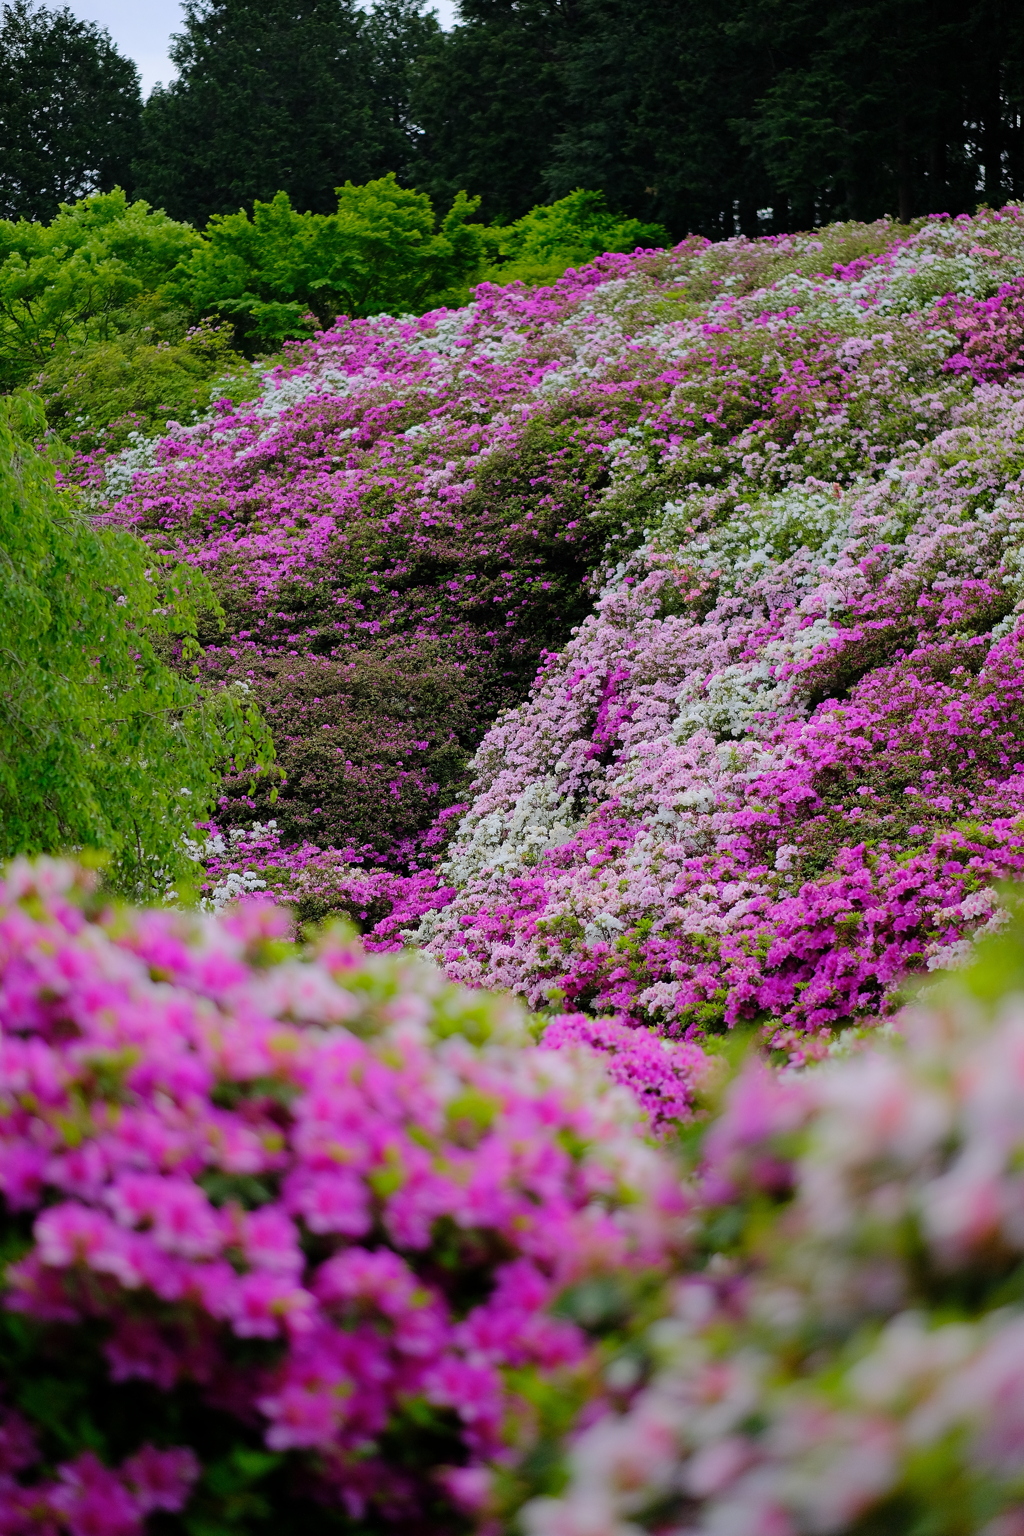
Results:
[852, 1357]
[663, 1075]
[87, 1498]
[316, 1188]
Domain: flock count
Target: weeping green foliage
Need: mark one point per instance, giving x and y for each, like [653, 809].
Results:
[103, 743]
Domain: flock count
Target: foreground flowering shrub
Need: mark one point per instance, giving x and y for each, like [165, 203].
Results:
[851, 1357]
[282, 1230]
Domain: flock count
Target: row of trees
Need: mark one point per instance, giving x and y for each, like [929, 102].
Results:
[751, 114]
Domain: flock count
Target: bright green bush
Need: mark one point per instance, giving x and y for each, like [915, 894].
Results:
[82, 320]
[103, 743]
[78, 279]
[541, 245]
[281, 273]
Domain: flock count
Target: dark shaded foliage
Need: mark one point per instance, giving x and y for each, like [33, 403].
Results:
[69, 110]
[271, 95]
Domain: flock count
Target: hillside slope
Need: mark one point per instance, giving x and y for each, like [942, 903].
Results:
[754, 507]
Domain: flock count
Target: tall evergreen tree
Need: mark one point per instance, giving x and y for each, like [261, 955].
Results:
[271, 95]
[69, 110]
[652, 92]
[864, 114]
[990, 63]
[748, 115]
[398, 37]
[489, 98]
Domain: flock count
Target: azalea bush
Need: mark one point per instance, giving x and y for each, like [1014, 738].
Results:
[284, 1229]
[379, 635]
[693, 579]
[849, 1355]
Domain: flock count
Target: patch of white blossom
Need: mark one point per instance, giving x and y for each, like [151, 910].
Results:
[235, 883]
[983, 905]
[761, 533]
[511, 839]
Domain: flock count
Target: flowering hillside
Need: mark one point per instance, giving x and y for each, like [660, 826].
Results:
[281, 1230]
[755, 510]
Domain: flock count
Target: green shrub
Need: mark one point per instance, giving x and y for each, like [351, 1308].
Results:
[78, 279]
[281, 273]
[541, 245]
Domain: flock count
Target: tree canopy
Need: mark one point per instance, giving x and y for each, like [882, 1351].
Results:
[753, 116]
[70, 110]
[77, 277]
[271, 95]
[378, 251]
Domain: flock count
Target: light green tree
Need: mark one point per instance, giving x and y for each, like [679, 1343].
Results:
[107, 741]
[382, 251]
[79, 278]
[541, 245]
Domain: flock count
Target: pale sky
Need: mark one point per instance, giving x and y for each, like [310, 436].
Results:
[142, 29]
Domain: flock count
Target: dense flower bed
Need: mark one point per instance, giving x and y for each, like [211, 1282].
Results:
[852, 1356]
[286, 1218]
[773, 488]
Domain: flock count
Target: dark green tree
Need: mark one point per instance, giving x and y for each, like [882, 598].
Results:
[652, 91]
[489, 99]
[866, 112]
[398, 36]
[69, 110]
[750, 115]
[271, 95]
[990, 64]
